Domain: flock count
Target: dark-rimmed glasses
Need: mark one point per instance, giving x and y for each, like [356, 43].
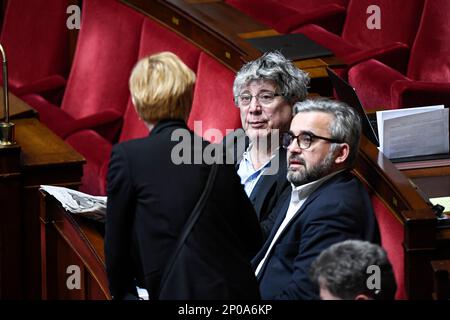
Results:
[304, 139]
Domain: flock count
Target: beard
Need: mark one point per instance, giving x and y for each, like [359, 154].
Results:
[310, 174]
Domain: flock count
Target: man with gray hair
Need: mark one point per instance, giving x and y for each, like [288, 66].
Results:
[265, 91]
[354, 270]
[325, 205]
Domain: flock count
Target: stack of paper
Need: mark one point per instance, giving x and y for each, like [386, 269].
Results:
[93, 207]
[413, 131]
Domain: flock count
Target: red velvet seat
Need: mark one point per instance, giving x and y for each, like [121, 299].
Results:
[286, 15]
[97, 91]
[213, 103]
[156, 38]
[153, 38]
[35, 38]
[428, 77]
[390, 44]
[392, 235]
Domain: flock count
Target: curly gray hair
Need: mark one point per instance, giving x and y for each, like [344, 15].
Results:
[290, 80]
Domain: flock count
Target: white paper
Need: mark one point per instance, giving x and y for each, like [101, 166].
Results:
[77, 202]
[142, 293]
[414, 131]
[443, 201]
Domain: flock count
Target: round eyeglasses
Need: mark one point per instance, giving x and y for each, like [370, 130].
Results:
[265, 98]
[304, 139]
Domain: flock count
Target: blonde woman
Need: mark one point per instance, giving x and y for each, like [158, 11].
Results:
[151, 196]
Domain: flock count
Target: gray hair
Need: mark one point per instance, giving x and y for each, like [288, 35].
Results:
[346, 126]
[290, 80]
[342, 269]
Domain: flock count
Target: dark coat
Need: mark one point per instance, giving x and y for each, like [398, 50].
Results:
[268, 188]
[338, 210]
[149, 201]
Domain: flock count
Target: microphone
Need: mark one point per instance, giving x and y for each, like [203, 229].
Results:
[6, 127]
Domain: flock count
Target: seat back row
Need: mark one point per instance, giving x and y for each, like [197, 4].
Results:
[36, 41]
[396, 52]
[427, 79]
[97, 111]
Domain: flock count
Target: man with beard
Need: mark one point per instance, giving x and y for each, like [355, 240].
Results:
[265, 91]
[326, 204]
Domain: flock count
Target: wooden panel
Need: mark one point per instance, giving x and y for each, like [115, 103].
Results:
[46, 159]
[409, 207]
[42, 148]
[11, 258]
[441, 273]
[70, 240]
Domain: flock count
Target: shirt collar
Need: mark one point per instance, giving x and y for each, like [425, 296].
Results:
[303, 191]
[247, 158]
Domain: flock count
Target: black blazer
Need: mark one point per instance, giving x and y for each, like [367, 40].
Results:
[338, 210]
[149, 201]
[268, 188]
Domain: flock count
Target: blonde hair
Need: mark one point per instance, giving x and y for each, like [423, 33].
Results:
[161, 87]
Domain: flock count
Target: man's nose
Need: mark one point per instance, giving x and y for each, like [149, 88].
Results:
[294, 147]
[255, 106]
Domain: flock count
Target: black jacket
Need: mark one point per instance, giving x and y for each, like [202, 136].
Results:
[149, 201]
[340, 209]
[268, 188]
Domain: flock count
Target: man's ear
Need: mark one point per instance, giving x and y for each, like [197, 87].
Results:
[362, 297]
[342, 153]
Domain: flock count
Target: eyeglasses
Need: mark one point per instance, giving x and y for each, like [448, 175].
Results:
[304, 139]
[263, 97]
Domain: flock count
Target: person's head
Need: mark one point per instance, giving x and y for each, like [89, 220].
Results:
[161, 87]
[265, 91]
[342, 272]
[323, 138]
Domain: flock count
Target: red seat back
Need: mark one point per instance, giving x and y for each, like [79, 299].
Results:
[283, 15]
[311, 5]
[213, 98]
[107, 49]
[399, 22]
[430, 56]
[154, 39]
[392, 235]
[35, 38]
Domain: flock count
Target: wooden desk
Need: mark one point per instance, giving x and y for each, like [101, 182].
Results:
[221, 30]
[433, 182]
[418, 223]
[69, 241]
[40, 157]
[18, 108]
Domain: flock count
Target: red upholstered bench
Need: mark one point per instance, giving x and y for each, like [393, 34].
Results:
[35, 38]
[390, 44]
[427, 81]
[97, 93]
[213, 103]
